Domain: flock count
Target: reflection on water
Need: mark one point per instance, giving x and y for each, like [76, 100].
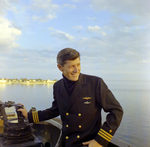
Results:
[49, 85]
[2, 87]
[32, 95]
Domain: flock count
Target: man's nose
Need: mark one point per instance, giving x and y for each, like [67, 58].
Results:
[75, 69]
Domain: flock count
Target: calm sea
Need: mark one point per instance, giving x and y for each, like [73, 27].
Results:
[134, 97]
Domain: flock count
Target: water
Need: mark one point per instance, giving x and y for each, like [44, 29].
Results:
[133, 96]
[39, 96]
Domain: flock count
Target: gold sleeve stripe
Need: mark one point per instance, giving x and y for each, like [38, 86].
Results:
[101, 130]
[35, 116]
[105, 135]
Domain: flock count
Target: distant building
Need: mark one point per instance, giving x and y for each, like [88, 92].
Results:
[3, 80]
[50, 81]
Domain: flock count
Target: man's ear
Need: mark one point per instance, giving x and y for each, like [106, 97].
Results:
[60, 67]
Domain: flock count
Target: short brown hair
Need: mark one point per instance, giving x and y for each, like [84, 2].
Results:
[67, 54]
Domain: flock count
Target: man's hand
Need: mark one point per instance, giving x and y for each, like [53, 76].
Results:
[92, 143]
[24, 111]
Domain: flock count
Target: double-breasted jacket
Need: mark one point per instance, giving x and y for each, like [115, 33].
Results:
[81, 112]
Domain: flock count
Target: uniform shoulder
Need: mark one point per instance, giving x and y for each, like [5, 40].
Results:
[91, 77]
[58, 82]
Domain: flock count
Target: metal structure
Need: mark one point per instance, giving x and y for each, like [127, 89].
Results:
[16, 130]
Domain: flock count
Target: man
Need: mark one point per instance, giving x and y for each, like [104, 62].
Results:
[79, 99]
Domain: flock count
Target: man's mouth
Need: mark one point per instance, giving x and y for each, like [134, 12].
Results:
[75, 75]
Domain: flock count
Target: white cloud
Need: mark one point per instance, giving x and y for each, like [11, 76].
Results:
[6, 5]
[126, 29]
[146, 61]
[104, 34]
[46, 9]
[45, 6]
[62, 35]
[44, 18]
[135, 7]
[71, 6]
[137, 10]
[78, 27]
[8, 35]
[96, 29]
[91, 18]
[84, 39]
[50, 28]
[35, 18]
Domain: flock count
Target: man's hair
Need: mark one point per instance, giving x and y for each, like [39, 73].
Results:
[67, 54]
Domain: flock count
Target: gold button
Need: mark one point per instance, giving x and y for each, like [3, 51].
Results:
[78, 136]
[67, 137]
[79, 114]
[67, 126]
[67, 113]
[80, 126]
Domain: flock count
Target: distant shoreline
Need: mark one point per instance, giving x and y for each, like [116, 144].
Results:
[27, 83]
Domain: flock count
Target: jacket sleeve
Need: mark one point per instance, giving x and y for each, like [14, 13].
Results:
[49, 113]
[115, 112]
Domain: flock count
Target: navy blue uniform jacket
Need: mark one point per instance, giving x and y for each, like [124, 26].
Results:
[81, 112]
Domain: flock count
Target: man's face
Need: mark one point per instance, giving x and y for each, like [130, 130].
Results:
[71, 69]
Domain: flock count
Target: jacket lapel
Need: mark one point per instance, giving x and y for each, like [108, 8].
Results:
[64, 97]
[76, 92]
[64, 91]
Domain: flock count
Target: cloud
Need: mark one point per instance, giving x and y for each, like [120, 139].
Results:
[146, 61]
[8, 35]
[61, 35]
[119, 47]
[6, 5]
[45, 11]
[51, 28]
[91, 18]
[71, 6]
[134, 7]
[44, 18]
[24, 58]
[96, 29]
[45, 6]
[78, 28]
[134, 12]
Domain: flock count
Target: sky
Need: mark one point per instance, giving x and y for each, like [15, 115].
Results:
[112, 36]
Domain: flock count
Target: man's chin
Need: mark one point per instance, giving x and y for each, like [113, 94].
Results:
[74, 78]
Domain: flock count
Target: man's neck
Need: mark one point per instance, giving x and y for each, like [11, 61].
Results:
[69, 85]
